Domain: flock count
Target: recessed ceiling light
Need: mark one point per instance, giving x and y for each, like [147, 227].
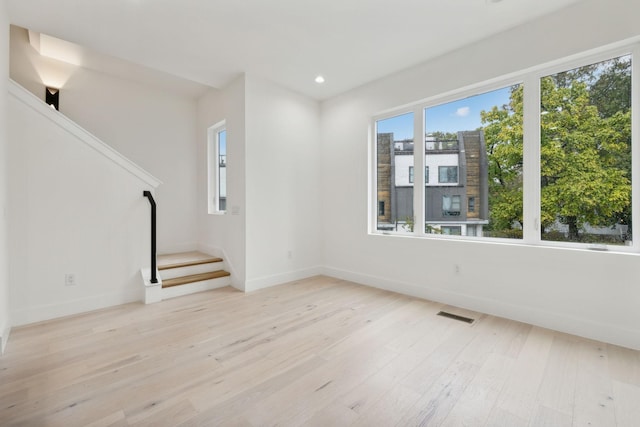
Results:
[319, 79]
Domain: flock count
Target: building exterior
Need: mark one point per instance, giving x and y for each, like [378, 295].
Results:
[456, 184]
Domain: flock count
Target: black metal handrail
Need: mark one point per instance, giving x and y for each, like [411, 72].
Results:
[148, 195]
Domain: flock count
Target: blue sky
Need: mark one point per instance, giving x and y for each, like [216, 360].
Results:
[454, 116]
[222, 143]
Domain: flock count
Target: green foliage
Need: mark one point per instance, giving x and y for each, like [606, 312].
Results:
[408, 224]
[583, 159]
[443, 136]
[430, 229]
[503, 137]
[514, 233]
[611, 92]
[585, 151]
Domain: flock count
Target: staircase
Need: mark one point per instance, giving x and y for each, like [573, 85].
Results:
[186, 273]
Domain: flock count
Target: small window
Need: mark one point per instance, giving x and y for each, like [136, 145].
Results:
[448, 174]
[452, 231]
[381, 208]
[450, 205]
[426, 174]
[471, 204]
[217, 168]
[411, 174]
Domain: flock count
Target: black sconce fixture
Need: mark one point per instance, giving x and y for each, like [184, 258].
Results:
[52, 97]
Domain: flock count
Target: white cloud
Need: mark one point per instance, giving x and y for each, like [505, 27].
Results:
[462, 112]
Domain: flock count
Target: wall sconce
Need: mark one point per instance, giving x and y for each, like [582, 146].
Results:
[52, 97]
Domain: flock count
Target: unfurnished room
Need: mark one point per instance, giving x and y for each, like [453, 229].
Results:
[319, 213]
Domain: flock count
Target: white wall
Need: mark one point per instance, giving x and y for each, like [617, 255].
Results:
[4, 265]
[433, 161]
[71, 210]
[150, 125]
[270, 233]
[284, 213]
[224, 235]
[402, 164]
[587, 293]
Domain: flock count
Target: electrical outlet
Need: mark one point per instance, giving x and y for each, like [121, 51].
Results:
[70, 279]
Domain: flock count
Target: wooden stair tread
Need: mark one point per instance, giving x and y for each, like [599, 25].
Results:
[185, 259]
[194, 278]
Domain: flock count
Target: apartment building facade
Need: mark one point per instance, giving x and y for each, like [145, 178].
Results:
[455, 184]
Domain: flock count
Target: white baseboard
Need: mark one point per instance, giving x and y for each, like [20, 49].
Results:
[278, 279]
[559, 322]
[42, 312]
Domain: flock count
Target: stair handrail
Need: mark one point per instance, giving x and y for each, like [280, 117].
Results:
[148, 195]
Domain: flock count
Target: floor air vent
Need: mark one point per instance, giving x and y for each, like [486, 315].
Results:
[455, 317]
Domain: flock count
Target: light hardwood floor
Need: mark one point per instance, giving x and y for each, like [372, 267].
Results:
[319, 352]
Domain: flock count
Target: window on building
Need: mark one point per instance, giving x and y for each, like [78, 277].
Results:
[426, 174]
[217, 168]
[381, 208]
[471, 204]
[450, 205]
[451, 230]
[448, 174]
[394, 173]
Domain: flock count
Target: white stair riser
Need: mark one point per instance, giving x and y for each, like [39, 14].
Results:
[191, 288]
[172, 273]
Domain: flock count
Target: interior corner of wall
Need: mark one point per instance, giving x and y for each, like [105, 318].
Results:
[4, 338]
[238, 284]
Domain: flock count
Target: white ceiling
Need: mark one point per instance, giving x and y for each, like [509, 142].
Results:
[350, 42]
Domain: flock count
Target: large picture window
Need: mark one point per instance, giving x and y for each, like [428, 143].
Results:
[545, 158]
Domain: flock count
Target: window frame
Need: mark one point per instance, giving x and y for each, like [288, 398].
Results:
[530, 79]
[213, 168]
[373, 187]
[452, 211]
[451, 228]
[441, 168]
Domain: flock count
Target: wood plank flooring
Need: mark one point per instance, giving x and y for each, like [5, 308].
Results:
[184, 259]
[168, 283]
[318, 352]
